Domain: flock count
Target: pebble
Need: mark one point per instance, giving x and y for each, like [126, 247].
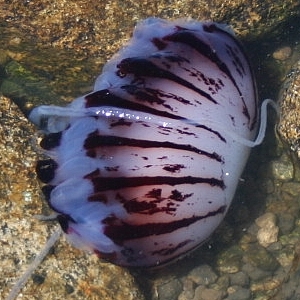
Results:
[254, 273]
[223, 282]
[286, 257]
[268, 232]
[269, 284]
[260, 257]
[282, 169]
[15, 41]
[238, 293]
[203, 275]
[282, 53]
[239, 278]
[230, 260]
[203, 293]
[188, 290]
[292, 188]
[286, 222]
[169, 290]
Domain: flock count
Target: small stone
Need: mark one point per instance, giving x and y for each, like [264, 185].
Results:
[260, 257]
[290, 239]
[249, 237]
[239, 278]
[230, 260]
[286, 222]
[292, 188]
[238, 293]
[255, 273]
[203, 275]
[286, 257]
[203, 293]
[222, 283]
[188, 290]
[15, 41]
[268, 219]
[282, 53]
[268, 232]
[267, 186]
[275, 247]
[267, 285]
[282, 169]
[169, 290]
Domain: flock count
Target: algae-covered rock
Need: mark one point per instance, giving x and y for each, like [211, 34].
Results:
[25, 88]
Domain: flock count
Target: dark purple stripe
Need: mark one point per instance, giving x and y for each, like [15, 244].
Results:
[143, 67]
[144, 207]
[115, 183]
[241, 49]
[152, 202]
[159, 44]
[95, 140]
[107, 98]
[171, 249]
[120, 231]
[212, 131]
[237, 62]
[152, 96]
[186, 37]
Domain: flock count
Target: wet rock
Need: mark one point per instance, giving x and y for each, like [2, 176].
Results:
[291, 238]
[267, 285]
[169, 290]
[230, 260]
[291, 188]
[286, 256]
[255, 273]
[239, 278]
[268, 232]
[25, 87]
[289, 286]
[188, 290]
[286, 222]
[282, 169]
[203, 293]
[282, 53]
[203, 275]
[238, 293]
[90, 27]
[260, 257]
[222, 283]
[289, 125]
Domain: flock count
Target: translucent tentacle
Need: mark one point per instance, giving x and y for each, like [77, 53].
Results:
[261, 131]
[263, 122]
[55, 119]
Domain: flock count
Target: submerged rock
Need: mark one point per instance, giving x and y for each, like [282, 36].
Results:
[289, 101]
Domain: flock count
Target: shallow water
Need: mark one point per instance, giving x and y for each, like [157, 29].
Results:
[232, 265]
